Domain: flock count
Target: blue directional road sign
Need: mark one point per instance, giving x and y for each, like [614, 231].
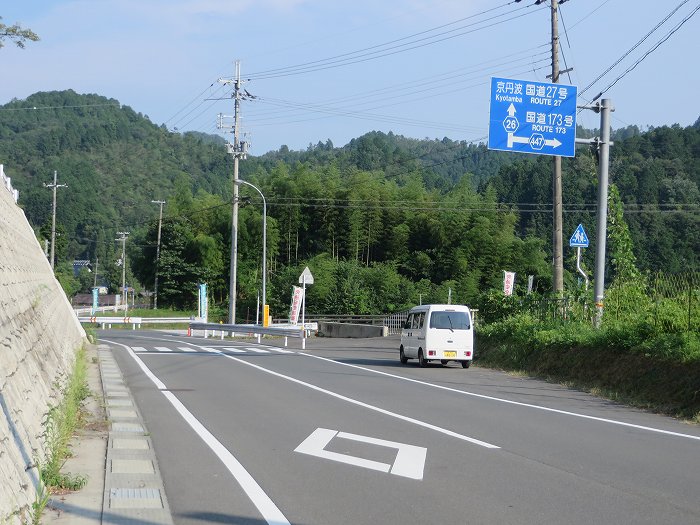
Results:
[579, 239]
[532, 117]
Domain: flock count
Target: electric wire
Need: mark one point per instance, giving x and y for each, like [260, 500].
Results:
[635, 46]
[362, 50]
[650, 51]
[380, 54]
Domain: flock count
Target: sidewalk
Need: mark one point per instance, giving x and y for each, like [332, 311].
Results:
[116, 456]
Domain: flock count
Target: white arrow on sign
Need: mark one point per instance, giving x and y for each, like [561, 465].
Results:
[511, 110]
[512, 139]
[409, 462]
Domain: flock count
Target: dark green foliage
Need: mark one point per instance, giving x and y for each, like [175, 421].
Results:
[385, 221]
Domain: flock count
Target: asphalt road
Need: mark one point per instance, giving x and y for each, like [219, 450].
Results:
[342, 433]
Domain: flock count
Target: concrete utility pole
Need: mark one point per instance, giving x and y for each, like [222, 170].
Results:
[557, 236]
[122, 238]
[54, 186]
[238, 150]
[160, 221]
[605, 107]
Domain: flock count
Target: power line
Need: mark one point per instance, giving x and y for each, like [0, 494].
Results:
[635, 46]
[362, 50]
[388, 51]
[654, 48]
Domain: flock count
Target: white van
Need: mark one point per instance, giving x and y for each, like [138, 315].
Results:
[441, 332]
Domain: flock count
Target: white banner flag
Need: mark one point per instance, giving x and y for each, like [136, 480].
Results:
[297, 298]
[508, 282]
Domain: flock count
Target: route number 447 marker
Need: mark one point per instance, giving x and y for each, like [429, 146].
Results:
[532, 117]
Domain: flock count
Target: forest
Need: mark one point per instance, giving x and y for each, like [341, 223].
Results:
[383, 222]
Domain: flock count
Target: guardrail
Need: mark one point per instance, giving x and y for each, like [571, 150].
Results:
[109, 321]
[297, 332]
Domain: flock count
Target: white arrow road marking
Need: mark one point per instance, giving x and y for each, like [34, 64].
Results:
[409, 462]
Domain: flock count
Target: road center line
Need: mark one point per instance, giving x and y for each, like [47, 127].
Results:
[362, 404]
[508, 401]
[269, 511]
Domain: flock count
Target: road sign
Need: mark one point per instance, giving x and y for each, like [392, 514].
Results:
[532, 117]
[579, 239]
[306, 277]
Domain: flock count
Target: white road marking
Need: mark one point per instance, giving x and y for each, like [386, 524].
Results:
[257, 350]
[271, 514]
[162, 348]
[508, 401]
[139, 349]
[186, 349]
[282, 350]
[409, 462]
[233, 349]
[362, 404]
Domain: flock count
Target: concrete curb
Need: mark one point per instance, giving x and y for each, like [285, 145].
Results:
[117, 457]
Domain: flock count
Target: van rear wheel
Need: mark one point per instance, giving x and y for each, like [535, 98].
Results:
[421, 359]
[466, 364]
[402, 356]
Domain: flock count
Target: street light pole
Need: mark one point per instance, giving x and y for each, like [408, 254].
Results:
[160, 222]
[122, 238]
[264, 250]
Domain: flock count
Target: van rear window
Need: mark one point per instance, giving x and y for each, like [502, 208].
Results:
[449, 320]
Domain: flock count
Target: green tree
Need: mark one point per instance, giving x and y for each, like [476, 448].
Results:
[16, 34]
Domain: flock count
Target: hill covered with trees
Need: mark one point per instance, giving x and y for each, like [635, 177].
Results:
[383, 222]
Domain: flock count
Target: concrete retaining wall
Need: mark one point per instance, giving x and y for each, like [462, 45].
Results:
[38, 337]
[326, 329]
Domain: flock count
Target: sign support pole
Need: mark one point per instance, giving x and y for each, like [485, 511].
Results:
[605, 107]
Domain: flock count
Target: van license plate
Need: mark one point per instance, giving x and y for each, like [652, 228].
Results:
[449, 354]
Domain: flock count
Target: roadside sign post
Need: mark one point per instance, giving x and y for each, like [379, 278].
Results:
[304, 279]
[579, 240]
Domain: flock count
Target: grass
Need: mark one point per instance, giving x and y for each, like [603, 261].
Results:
[60, 424]
[632, 364]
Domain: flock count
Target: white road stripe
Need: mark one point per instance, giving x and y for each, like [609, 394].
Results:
[258, 350]
[139, 349]
[283, 351]
[364, 405]
[186, 349]
[233, 349]
[163, 349]
[508, 401]
[271, 514]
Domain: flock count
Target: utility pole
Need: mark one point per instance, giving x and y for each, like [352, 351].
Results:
[239, 150]
[557, 239]
[94, 282]
[54, 186]
[122, 238]
[605, 107]
[160, 222]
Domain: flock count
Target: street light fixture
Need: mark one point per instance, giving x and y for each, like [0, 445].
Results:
[264, 250]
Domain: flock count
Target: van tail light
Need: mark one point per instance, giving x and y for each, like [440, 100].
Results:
[468, 354]
[431, 352]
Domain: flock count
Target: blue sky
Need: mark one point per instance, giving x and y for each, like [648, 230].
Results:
[163, 59]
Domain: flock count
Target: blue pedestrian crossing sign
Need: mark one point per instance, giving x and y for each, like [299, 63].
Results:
[579, 239]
